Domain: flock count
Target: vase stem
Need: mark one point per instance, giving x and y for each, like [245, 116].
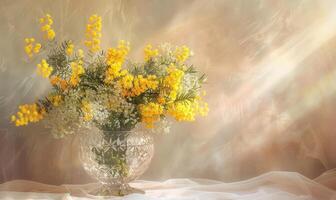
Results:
[116, 190]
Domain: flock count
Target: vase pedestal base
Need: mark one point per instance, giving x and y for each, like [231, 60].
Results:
[109, 190]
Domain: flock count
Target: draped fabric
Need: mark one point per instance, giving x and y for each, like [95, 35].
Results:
[273, 185]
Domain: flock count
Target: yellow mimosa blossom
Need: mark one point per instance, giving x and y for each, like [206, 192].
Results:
[69, 50]
[117, 55]
[28, 114]
[150, 113]
[182, 53]
[112, 72]
[80, 53]
[93, 33]
[87, 110]
[46, 28]
[182, 111]
[135, 86]
[56, 100]
[172, 81]
[63, 84]
[161, 100]
[37, 48]
[57, 81]
[44, 69]
[31, 47]
[127, 82]
[77, 70]
[150, 52]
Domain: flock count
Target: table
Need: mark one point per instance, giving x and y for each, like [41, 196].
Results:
[270, 186]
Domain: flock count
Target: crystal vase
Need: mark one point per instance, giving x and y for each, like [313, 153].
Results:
[115, 158]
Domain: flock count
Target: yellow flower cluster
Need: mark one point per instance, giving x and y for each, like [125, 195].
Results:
[55, 100]
[87, 110]
[172, 81]
[115, 57]
[44, 69]
[57, 81]
[93, 33]
[80, 53]
[134, 86]
[27, 114]
[150, 52]
[182, 111]
[77, 70]
[69, 50]
[126, 82]
[113, 72]
[161, 100]
[31, 47]
[182, 53]
[46, 28]
[150, 113]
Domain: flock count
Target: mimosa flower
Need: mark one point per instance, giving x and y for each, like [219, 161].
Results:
[77, 70]
[46, 28]
[93, 33]
[31, 47]
[87, 110]
[69, 50]
[150, 113]
[182, 53]
[28, 114]
[150, 52]
[44, 69]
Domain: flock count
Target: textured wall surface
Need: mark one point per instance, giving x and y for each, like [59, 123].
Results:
[271, 85]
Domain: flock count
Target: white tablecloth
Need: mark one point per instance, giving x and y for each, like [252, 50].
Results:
[270, 186]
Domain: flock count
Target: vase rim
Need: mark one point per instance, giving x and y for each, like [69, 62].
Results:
[124, 131]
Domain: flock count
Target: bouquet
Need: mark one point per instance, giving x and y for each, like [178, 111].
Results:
[105, 89]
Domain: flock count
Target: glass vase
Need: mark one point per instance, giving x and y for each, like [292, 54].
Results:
[115, 158]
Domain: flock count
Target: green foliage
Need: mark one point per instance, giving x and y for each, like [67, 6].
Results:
[58, 59]
[186, 97]
[112, 154]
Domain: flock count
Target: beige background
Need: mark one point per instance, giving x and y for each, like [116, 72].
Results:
[271, 85]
